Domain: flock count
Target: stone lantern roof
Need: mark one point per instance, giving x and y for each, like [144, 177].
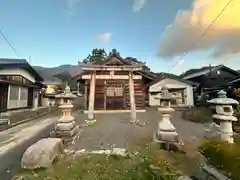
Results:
[67, 94]
[166, 95]
[222, 99]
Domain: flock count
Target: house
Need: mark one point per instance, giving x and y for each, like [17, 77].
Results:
[115, 85]
[211, 78]
[20, 85]
[235, 87]
[182, 89]
[235, 82]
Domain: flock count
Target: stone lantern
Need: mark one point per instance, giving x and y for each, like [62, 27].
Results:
[166, 135]
[66, 127]
[224, 114]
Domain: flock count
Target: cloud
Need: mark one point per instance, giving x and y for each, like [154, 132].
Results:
[138, 5]
[71, 6]
[223, 37]
[180, 63]
[104, 37]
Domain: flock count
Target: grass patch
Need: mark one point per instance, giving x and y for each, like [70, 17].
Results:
[223, 156]
[145, 162]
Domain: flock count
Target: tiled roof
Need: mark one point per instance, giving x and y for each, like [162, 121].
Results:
[206, 70]
[19, 63]
[12, 61]
[191, 71]
[163, 75]
[234, 80]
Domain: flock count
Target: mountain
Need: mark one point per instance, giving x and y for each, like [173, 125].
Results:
[48, 73]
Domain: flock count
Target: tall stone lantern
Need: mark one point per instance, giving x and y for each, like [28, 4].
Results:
[224, 114]
[166, 134]
[66, 127]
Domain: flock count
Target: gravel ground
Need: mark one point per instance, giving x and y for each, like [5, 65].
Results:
[114, 129]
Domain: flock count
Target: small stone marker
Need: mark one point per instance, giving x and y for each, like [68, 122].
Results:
[42, 153]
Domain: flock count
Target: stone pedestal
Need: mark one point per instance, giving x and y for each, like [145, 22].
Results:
[66, 127]
[166, 134]
[224, 114]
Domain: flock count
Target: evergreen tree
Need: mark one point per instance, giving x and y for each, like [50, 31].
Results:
[97, 55]
[135, 61]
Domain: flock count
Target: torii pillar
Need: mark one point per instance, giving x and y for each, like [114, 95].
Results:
[132, 98]
[91, 98]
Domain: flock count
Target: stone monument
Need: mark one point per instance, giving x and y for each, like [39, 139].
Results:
[224, 114]
[166, 135]
[66, 127]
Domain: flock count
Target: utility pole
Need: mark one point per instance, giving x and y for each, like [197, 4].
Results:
[210, 70]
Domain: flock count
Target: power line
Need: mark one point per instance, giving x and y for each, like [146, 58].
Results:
[229, 57]
[201, 36]
[10, 45]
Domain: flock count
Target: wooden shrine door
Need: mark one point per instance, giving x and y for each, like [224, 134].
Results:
[115, 96]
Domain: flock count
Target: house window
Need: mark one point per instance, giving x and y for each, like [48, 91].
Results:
[9, 78]
[14, 93]
[17, 78]
[24, 81]
[24, 94]
[154, 93]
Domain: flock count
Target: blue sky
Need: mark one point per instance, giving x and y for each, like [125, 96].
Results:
[55, 32]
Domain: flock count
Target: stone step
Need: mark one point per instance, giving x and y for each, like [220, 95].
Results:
[207, 172]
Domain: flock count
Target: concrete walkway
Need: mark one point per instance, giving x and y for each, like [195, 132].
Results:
[14, 142]
[16, 135]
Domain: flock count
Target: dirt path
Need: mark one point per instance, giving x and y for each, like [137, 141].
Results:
[115, 130]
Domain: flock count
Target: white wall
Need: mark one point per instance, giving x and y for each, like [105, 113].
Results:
[45, 102]
[171, 84]
[36, 95]
[17, 71]
[153, 101]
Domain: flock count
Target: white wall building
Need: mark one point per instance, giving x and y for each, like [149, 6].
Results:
[20, 85]
[180, 88]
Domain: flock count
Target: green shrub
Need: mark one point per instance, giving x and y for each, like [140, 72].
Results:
[238, 112]
[223, 156]
[198, 115]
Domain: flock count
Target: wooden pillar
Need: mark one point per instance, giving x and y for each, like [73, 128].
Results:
[86, 94]
[132, 97]
[92, 96]
[105, 95]
[77, 86]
